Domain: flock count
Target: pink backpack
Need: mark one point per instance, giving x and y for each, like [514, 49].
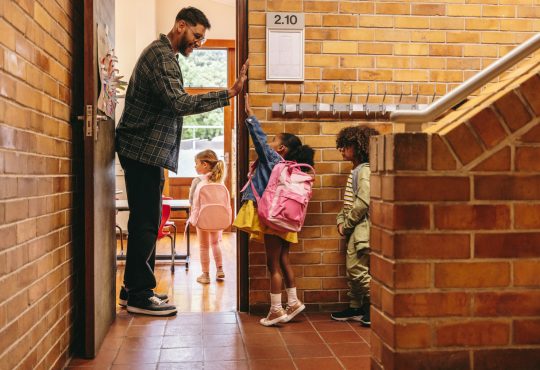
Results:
[283, 205]
[211, 208]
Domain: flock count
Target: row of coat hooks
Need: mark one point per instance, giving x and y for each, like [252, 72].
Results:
[366, 109]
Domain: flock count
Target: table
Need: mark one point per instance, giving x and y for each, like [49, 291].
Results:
[176, 205]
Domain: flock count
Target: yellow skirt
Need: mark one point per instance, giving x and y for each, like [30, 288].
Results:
[247, 220]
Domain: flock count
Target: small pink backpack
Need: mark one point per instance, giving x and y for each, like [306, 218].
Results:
[283, 205]
[211, 208]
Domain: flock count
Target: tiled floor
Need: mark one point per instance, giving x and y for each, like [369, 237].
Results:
[228, 340]
[208, 334]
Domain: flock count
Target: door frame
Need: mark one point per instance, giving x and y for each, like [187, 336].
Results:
[242, 155]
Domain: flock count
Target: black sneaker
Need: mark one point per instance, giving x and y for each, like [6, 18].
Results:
[365, 321]
[150, 306]
[124, 295]
[348, 314]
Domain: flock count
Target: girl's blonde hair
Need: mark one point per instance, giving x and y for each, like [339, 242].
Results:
[217, 167]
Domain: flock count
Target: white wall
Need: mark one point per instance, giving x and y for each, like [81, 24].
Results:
[220, 13]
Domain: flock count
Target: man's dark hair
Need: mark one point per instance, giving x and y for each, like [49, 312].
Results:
[193, 16]
[358, 138]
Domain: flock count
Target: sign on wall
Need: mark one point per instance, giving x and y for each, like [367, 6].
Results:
[285, 47]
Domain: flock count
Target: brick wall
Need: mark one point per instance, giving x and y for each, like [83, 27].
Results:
[373, 46]
[36, 183]
[455, 236]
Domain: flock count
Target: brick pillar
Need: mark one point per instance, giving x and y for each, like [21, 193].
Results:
[456, 240]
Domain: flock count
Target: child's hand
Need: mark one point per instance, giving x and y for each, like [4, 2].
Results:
[249, 111]
[340, 229]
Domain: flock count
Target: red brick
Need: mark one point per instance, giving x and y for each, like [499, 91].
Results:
[464, 143]
[513, 111]
[507, 245]
[472, 275]
[526, 216]
[487, 126]
[507, 359]
[527, 159]
[443, 360]
[383, 326]
[431, 188]
[505, 187]
[526, 331]
[382, 269]
[412, 275]
[472, 217]
[375, 289]
[530, 90]
[320, 296]
[441, 157]
[406, 151]
[500, 161]
[431, 304]
[400, 217]
[431, 246]
[413, 335]
[472, 333]
[522, 303]
[526, 273]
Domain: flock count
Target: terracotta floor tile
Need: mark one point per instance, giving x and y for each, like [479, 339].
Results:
[225, 353]
[281, 364]
[180, 366]
[222, 340]
[350, 349]
[220, 318]
[149, 320]
[185, 319]
[141, 356]
[178, 341]
[252, 328]
[309, 351]
[183, 330]
[226, 365]
[221, 329]
[134, 367]
[301, 338]
[356, 363]
[329, 363]
[189, 354]
[112, 343]
[297, 326]
[267, 352]
[341, 337]
[318, 316]
[145, 331]
[331, 325]
[263, 339]
[138, 343]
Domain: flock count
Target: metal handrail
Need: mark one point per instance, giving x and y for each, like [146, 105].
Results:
[457, 95]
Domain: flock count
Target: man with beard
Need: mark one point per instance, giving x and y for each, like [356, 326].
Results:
[147, 141]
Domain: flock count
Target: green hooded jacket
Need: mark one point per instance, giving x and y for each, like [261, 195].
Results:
[356, 220]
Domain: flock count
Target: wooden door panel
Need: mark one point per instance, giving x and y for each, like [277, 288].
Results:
[99, 185]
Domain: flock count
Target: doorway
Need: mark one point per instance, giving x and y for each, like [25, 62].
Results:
[213, 130]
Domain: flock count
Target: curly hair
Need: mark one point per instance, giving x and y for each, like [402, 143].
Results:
[358, 138]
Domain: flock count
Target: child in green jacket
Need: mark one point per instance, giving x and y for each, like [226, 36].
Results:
[353, 221]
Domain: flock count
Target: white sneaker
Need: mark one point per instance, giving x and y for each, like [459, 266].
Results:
[274, 317]
[220, 275]
[204, 279]
[294, 310]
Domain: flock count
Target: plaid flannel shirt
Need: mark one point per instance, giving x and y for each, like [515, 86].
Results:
[150, 128]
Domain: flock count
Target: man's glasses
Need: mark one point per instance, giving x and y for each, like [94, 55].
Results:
[200, 39]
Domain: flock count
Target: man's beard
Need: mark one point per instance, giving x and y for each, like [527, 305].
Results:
[183, 45]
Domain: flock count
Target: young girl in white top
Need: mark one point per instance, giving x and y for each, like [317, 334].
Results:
[210, 169]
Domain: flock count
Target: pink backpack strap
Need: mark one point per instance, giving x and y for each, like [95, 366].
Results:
[250, 175]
